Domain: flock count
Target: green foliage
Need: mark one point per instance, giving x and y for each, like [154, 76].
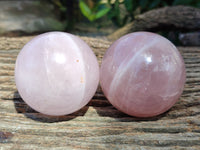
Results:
[114, 14]
[60, 5]
[120, 12]
[135, 7]
[185, 2]
[95, 13]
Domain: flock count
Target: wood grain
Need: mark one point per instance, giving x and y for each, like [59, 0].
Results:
[98, 125]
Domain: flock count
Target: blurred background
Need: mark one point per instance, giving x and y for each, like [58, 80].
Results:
[95, 18]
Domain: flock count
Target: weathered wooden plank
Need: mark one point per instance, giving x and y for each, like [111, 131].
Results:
[98, 125]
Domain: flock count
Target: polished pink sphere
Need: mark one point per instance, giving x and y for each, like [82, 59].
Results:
[56, 73]
[142, 74]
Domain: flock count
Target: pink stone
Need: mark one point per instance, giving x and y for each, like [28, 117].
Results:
[56, 73]
[142, 74]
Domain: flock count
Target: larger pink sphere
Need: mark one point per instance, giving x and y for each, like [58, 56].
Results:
[142, 74]
[56, 73]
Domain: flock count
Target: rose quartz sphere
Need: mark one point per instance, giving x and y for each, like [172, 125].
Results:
[56, 73]
[142, 74]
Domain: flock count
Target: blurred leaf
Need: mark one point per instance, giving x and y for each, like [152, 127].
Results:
[154, 4]
[164, 3]
[116, 4]
[60, 5]
[86, 11]
[128, 4]
[57, 2]
[135, 4]
[143, 3]
[198, 4]
[97, 6]
[182, 2]
[63, 9]
[111, 14]
[102, 12]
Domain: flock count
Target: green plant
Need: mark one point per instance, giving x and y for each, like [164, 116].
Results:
[135, 7]
[60, 4]
[92, 14]
[194, 3]
[113, 9]
[115, 13]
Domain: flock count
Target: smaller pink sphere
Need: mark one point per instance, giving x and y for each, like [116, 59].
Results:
[56, 73]
[142, 74]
